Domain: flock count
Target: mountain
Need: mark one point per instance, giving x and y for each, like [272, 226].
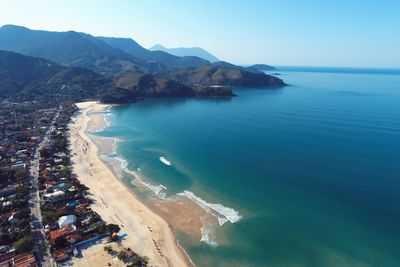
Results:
[225, 64]
[146, 85]
[134, 49]
[262, 67]
[211, 75]
[69, 48]
[186, 51]
[26, 78]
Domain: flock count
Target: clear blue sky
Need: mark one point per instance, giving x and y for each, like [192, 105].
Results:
[279, 32]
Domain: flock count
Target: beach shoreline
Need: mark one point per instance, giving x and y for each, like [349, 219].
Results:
[148, 234]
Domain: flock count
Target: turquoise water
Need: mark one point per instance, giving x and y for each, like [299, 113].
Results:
[309, 174]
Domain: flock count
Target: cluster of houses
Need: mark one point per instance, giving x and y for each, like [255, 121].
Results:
[68, 220]
[22, 126]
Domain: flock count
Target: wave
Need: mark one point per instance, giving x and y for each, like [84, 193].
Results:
[158, 190]
[114, 152]
[107, 122]
[165, 161]
[228, 214]
[208, 233]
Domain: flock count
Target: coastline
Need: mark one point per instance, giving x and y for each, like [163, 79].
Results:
[148, 234]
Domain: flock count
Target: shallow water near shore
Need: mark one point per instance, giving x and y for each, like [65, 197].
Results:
[306, 175]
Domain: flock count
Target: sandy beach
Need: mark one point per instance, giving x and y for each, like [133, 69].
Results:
[148, 234]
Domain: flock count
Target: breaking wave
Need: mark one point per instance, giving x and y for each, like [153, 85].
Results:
[208, 233]
[228, 214]
[158, 190]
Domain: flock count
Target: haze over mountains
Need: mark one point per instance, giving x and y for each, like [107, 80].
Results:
[104, 55]
[112, 60]
[186, 51]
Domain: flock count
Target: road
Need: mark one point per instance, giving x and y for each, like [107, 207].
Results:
[40, 246]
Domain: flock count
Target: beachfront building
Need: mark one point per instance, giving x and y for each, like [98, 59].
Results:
[66, 220]
[55, 196]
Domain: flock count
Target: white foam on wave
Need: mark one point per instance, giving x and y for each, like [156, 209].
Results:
[115, 144]
[228, 214]
[107, 122]
[208, 233]
[158, 190]
[107, 119]
[165, 161]
[221, 221]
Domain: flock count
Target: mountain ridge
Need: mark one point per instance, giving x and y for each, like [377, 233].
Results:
[28, 78]
[186, 51]
[131, 47]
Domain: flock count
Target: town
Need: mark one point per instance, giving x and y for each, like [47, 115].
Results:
[46, 217]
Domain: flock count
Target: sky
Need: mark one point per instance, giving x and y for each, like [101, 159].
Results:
[348, 33]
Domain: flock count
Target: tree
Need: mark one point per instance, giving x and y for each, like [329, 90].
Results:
[122, 255]
[23, 214]
[112, 228]
[21, 174]
[60, 242]
[6, 175]
[49, 216]
[108, 249]
[24, 244]
[22, 191]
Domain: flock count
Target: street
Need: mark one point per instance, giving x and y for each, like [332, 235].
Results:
[39, 238]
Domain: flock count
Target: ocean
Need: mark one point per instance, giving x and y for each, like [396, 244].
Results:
[305, 175]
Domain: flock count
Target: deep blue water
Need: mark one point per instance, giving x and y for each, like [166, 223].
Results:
[312, 168]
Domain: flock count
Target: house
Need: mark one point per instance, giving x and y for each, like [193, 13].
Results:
[18, 165]
[66, 220]
[4, 249]
[73, 238]
[7, 192]
[6, 204]
[62, 256]
[55, 196]
[63, 231]
[13, 220]
[57, 161]
[49, 184]
[21, 260]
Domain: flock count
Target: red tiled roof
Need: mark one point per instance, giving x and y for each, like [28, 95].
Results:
[21, 260]
[61, 232]
[73, 237]
[62, 256]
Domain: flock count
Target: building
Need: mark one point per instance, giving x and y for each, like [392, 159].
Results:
[66, 220]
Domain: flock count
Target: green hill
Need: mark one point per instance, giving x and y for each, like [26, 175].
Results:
[209, 75]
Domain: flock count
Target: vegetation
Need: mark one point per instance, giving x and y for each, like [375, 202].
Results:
[108, 249]
[24, 244]
[27, 78]
[122, 255]
[104, 55]
[220, 75]
[139, 261]
[112, 228]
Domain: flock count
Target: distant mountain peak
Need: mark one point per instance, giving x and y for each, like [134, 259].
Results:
[157, 47]
[186, 51]
[13, 27]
